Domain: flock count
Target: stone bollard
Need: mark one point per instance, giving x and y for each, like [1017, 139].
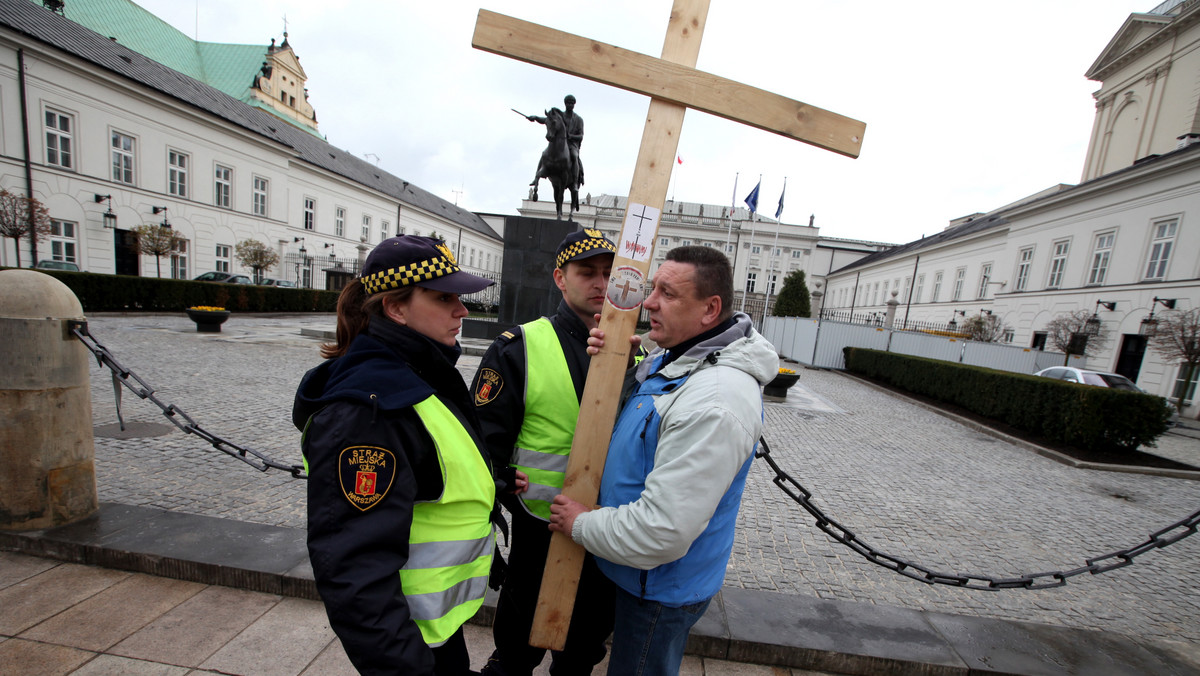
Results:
[47, 470]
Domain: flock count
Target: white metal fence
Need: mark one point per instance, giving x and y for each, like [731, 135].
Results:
[820, 342]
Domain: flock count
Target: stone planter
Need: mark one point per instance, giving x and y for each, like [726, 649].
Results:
[208, 321]
[779, 386]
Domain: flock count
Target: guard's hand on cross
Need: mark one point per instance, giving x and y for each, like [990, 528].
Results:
[563, 512]
[596, 341]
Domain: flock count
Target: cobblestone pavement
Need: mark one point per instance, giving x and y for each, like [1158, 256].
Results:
[908, 481]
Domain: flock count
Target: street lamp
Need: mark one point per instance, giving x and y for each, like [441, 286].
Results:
[110, 219]
[1092, 326]
[953, 324]
[161, 210]
[1149, 325]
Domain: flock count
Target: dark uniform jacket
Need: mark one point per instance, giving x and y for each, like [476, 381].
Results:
[501, 404]
[365, 398]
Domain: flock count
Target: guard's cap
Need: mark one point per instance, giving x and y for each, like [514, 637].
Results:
[583, 244]
[421, 261]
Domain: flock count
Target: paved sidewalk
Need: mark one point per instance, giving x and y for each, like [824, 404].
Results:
[907, 480]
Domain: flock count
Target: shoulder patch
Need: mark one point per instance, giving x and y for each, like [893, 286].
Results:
[506, 334]
[365, 474]
[488, 386]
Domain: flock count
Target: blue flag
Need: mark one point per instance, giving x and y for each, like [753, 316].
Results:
[752, 198]
[779, 211]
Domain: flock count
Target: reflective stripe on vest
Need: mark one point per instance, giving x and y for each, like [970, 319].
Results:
[450, 542]
[551, 408]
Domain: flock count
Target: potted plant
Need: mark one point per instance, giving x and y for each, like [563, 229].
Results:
[208, 319]
[778, 387]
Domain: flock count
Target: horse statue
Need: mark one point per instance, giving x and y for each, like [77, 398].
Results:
[556, 164]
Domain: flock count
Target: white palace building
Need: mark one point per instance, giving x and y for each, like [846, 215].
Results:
[1127, 234]
[110, 115]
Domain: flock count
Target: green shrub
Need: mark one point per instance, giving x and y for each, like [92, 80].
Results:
[123, 293]
[1075, 415]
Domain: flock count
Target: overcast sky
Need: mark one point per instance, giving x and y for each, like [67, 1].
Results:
[968, 105]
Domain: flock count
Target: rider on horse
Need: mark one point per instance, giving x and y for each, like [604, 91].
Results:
[574, 128]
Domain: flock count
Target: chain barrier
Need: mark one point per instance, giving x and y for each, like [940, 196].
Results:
[122, 376]
[1100, 564]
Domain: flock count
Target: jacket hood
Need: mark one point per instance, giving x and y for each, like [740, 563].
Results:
[740, 347]
[369, 373]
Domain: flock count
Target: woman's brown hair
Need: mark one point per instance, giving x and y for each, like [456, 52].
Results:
[354, 310]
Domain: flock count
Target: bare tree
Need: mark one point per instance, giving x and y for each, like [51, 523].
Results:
[158, 241]
[987, 328]
[254, 254]
[1067, 333]
[1177, 339]
[22, 216]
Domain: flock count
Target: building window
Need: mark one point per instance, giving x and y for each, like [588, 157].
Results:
[384, 226]
[708, 244]
[686, 242]
[1160, 249]
[985, 276]
[959, 276]
[179, 266]
[1185, 389]
[771, 280]
[907, 289]
[1039, 340]
[261, 187]
[310, 214]
[122, 158]
[60, 150]
[875, 294]
[339, 222]
[797, 253]
[62, 241]
[177, 173]
[222, 258]
[664, 241]
[1101, 253]
[729, 248]
[366, 228]
[920, 287]
[1058, 264]
[1023, 266]
[222, 186]
[885, 290]
[751, 278]
[756, 249]
[937, 287]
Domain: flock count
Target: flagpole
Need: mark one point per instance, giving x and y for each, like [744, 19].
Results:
[753, 228]
[732, 207]
[774, 249]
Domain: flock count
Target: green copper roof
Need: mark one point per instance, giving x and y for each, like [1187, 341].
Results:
[226, 67]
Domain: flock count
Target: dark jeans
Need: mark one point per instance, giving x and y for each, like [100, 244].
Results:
[451, 658]
[650, 638]
[591, 620]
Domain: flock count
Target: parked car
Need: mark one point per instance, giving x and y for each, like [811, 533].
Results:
[225, 277]
[57, 265]
[1116, 381]
[279, 282]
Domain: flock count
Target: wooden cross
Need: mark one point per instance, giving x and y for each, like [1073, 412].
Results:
[673, 85]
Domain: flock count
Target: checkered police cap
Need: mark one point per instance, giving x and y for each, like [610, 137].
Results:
[422, 261]
[583, 244]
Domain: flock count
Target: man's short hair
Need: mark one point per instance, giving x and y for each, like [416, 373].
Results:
[713, 275]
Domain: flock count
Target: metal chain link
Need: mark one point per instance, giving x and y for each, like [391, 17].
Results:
[1100, 564]
[177, 416]
[1119, 559]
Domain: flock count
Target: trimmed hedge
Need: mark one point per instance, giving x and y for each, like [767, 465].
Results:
[1075, 415]
[123, 293]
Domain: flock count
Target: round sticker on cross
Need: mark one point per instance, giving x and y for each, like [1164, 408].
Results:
[625, 288]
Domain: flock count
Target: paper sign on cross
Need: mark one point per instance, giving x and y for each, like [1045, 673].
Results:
[673, 85]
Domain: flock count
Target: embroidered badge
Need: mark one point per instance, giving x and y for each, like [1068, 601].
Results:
[490, 384]
[365, 474]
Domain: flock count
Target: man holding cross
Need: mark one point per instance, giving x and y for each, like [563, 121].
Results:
[677, 462]
[527, 395]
